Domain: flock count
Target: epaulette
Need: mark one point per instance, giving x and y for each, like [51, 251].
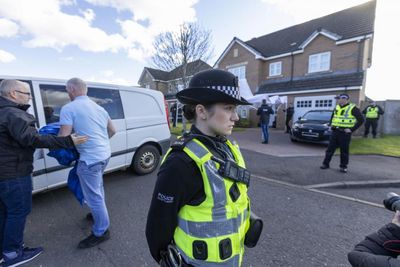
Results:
[181, 142]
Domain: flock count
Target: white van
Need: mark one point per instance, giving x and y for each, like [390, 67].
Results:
[139, 116]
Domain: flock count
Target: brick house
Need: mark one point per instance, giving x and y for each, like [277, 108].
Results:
[170, 82]
[308, 63]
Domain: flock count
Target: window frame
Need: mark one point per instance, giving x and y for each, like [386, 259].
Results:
[239, 71]
[273, 67]
[315, 63]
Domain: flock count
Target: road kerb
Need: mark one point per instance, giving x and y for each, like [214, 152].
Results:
[355, 184]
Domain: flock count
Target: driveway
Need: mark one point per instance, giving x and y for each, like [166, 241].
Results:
[279, 144]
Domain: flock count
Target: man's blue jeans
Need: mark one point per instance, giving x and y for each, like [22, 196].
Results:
[264, 128]
[15, 205]
[91, 180]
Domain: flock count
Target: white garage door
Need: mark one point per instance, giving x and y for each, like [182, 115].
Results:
[306, 103]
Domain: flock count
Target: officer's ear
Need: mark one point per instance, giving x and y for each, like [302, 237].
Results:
[201, 112]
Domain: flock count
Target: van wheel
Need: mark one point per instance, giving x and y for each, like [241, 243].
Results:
[146, 160]
[292, 139]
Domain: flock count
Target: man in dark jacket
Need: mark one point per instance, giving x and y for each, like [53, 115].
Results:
[379, 249]
[372, 113]
[264, 112]
[18, 140]
[174, 112]
[289, 115]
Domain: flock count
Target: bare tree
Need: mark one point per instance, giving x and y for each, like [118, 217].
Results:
[189, 44]
[174, 49]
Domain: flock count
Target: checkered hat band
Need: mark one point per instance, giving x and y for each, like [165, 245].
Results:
[229, 90]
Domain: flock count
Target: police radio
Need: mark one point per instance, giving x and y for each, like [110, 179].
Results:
[231, 170]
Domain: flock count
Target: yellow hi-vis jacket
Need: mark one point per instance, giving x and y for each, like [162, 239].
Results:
[372, 113]
[213, 233]
[342, 116]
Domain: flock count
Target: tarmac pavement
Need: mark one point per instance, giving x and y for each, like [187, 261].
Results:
[304, 225]
[279, 144]
[301, 227]
[298, 163]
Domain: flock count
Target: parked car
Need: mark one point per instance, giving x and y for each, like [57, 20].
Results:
[139, 116]
[312, 127]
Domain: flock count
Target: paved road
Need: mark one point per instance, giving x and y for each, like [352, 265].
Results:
[302, 228]
[279, 144]
[305, 170]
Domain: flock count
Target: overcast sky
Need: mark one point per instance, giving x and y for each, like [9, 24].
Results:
[111, 40]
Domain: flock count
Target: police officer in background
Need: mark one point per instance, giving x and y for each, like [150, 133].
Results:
[372, 113]
[200, 210]
[346, 118]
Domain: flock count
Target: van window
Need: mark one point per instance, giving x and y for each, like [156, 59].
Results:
[54, 97]
[109, 99]
[140, 105]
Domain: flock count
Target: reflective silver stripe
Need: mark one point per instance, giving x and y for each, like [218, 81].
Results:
[346, 114]
[232, 262]
[217, 186]
[216, 182]
[197, 149]
[212, 229]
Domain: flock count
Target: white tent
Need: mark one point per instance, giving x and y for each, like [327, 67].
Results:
[274, 100]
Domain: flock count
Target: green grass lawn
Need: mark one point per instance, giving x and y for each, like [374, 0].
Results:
[387, 145]
[178, 129]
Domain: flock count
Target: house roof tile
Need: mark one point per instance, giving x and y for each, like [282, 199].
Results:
[348, 23]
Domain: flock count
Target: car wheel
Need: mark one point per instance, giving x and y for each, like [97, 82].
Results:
[292, 139]
[146, 160]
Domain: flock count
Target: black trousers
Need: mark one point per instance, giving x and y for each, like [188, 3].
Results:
[368, 124]
[339, 139]
[288, 119]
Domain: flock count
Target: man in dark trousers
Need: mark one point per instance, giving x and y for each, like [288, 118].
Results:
[18, 140]
[264, 112]
[346, 118]
[372, 113]
[289, 115]
[174, 112]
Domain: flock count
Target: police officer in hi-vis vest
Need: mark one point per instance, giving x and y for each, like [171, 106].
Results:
[200, 211]
[372, 113]
[346, 118]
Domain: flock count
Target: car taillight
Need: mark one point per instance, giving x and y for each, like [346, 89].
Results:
[167, 112]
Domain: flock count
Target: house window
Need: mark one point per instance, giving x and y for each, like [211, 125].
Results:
[235, 52]
[243, 113]
[240, 72]
[319, 62]
[323, 103]
[275, 68]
